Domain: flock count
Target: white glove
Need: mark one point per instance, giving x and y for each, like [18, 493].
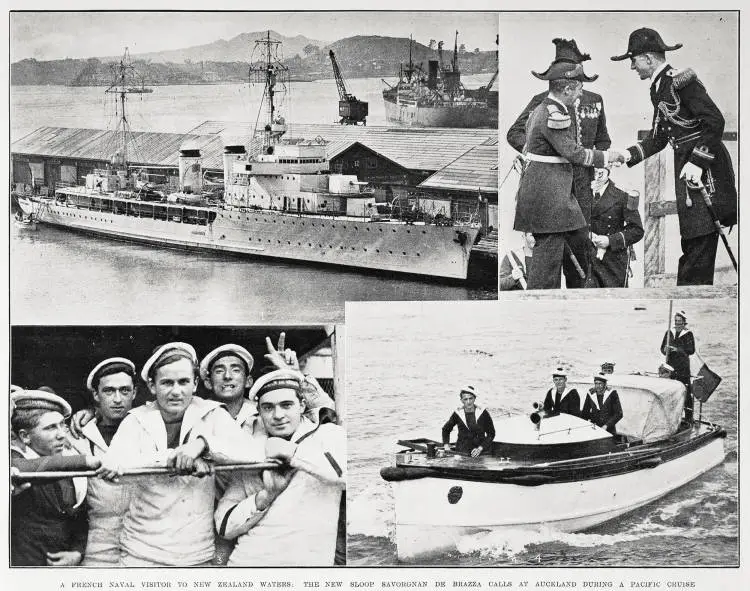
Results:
[516, 273]
[691, 173]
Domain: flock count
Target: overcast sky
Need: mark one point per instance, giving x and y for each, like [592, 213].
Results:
[57, 35]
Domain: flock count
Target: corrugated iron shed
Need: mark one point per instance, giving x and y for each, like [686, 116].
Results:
[413, 148]
[429, 149]
[146, 148]
[475, 169]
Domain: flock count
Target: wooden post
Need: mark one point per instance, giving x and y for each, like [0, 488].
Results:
[338, 338]
[655, 173]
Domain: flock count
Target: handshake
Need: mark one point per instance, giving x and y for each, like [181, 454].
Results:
[617, 157]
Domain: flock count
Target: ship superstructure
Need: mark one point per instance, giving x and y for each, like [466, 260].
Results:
[438, 98]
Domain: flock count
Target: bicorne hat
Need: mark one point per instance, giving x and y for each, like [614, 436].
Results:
[564, 70]
[643, 41]
[566, 51]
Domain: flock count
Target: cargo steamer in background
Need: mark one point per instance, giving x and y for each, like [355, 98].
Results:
[438, 98]
[560, 473]
[281, 201]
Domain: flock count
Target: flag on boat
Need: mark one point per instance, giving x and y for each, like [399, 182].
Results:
[704, 380]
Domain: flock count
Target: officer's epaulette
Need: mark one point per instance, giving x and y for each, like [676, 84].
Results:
[681, 78]
[556, 118]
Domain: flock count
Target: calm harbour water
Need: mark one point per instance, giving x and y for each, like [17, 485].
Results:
[60, 277]
[403, 375]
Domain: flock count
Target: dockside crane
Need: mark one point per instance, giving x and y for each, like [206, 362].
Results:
[351, 110]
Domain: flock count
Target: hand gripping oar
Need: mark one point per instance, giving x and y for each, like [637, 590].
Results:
[145, 471]
[699, 186]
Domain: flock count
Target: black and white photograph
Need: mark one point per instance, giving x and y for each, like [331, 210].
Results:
[619, 150]
[186, 446]
[258, 161]
[596, 433]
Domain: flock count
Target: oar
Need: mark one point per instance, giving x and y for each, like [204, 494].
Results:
[145, 471]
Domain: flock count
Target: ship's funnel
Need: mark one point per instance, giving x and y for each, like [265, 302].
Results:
[191, 173]
[432, 75]
[232, 152]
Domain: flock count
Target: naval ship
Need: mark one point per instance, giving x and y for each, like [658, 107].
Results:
[438, 98]
[281, 201]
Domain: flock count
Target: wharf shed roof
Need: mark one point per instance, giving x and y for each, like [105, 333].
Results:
[424, 148]
[475, 169]
[146, 148]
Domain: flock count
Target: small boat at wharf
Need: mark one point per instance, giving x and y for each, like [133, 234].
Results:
[551, 472]
[281, 201]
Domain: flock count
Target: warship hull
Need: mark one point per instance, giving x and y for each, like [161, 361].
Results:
[415, 249]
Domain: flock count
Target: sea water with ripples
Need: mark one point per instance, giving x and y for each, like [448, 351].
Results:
[407, 363]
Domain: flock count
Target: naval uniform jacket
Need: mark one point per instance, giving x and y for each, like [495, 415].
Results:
[679, 359]
[107, 504]
[607, 414]
[569, 402]
[611, 217]
[591, 130]
[46, 517]
[686, 117]
[483, 434]
[300, 527]
[545, 202]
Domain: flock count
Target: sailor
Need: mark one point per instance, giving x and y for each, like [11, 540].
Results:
[608, 367]
[225, 372]
[287, 517]
[590, 120]
[513, 272]
[546, 202]
[112, 387]
[169, 521]
[48, 522]
[666, 371]
[615, 226]
[602, 406]
[476, 430]
[687, 118]
[678, 346]
[560, 398]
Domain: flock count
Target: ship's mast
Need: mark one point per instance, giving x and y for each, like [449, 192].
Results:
[270, 73]
[119, 87]
[455, 54]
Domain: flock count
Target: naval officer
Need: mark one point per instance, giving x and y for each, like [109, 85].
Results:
[590, 120]
[686, 117]
[615, 226]
[546, 203]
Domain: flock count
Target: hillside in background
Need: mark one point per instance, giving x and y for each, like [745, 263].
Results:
[226, 61]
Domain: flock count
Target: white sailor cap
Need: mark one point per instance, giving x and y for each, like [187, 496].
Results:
[608, 366]
[559, 372]
[39, 400]
[600, 377]
[681, 314]
[277, 380]
[166, 350]
[468, 390]
[222, 351]
[666, 366]
[125, 365]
